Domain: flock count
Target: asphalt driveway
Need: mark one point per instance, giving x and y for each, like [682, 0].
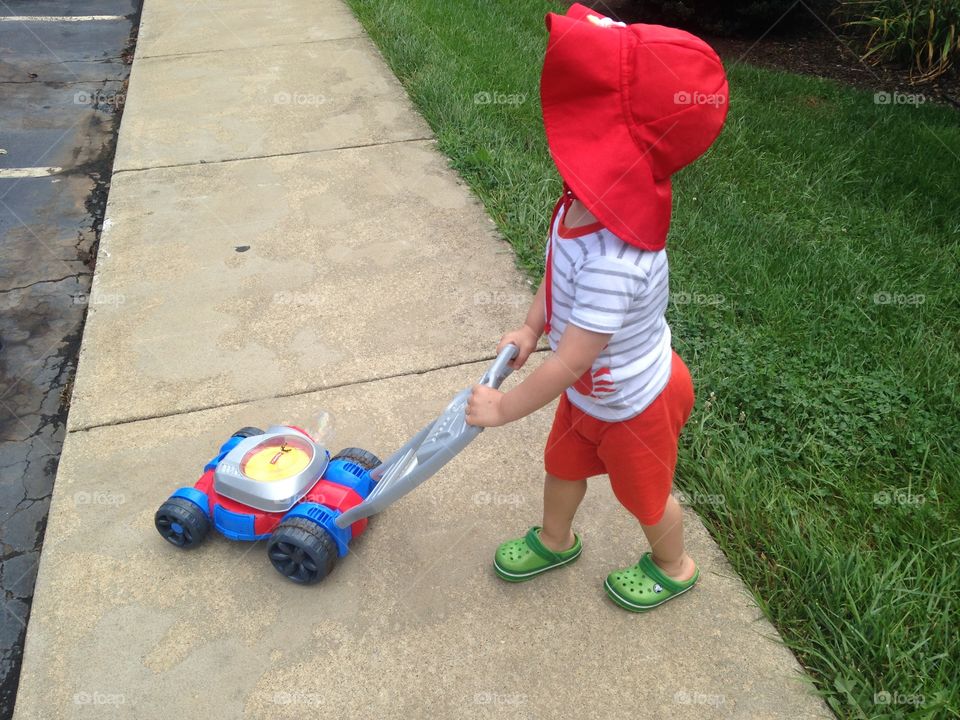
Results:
[62, 80]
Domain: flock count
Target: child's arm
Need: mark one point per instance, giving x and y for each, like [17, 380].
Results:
[576, 352]
[526, 336]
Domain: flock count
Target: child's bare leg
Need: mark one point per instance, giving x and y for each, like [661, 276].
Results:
[666, 543]
[561, 498]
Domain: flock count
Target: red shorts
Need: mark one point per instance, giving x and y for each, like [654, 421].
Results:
[639, 454]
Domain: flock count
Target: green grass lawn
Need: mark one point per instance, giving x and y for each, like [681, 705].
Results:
[814, 258]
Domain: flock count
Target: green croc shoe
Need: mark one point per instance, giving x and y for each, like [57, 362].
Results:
[645, 586]
[526, 557]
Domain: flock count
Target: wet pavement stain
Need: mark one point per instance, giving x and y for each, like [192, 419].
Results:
[63, 86]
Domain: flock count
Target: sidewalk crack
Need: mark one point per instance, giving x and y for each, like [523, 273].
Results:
[75, 276]
[305, 391]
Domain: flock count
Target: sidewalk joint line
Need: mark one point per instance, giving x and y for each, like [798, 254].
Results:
[272, 155]
[307, 391]
[247, 47]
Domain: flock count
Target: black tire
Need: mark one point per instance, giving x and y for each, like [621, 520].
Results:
[302, 551]
[181, 523]
[364, 458]
[246, 432]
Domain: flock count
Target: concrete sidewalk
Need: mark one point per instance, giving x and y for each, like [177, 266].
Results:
[284, 238]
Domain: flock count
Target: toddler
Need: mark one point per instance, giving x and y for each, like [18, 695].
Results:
[624, 107]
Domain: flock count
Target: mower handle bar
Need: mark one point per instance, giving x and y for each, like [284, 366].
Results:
[430, 449]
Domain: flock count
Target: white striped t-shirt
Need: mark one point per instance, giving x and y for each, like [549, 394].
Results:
[601, 283]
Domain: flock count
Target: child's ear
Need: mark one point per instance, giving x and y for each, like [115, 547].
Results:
[577, 11]
[580, 12]
[604, 21]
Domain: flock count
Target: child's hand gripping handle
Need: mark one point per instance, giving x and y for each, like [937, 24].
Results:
[430, 449]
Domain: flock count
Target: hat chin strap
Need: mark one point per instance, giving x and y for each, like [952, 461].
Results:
[564, 203]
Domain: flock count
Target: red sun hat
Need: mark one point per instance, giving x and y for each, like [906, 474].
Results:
[625, 107]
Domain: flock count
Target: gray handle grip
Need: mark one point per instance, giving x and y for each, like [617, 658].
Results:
[500, 369]
[430, 449]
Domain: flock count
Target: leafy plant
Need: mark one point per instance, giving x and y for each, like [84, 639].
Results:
[921, 34]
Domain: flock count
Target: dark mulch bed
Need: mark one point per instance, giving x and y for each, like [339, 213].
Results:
[826, 55]
[818, 52]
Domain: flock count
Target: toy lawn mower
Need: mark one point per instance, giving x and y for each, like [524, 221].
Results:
[282, 486]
